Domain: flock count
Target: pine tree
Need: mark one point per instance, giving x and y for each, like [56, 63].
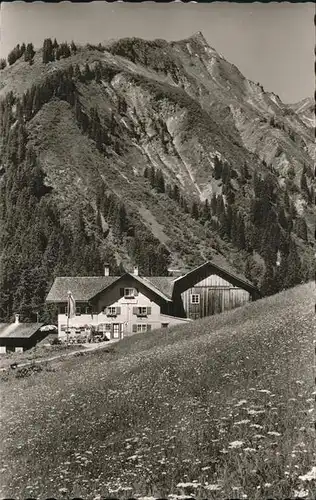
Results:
[48, 51]
[226, 173]
[98, 72]
[220, 206]
[87, 73]
[73, 47]
[229, 221]
[205, 212]
[234, 225]
[160, 181]
[268, 281]
[218, 167]
[301, 229]
[223, 224]
[14, 55]
[29, 53]
[241, 240]
[184, 205]
[213, 204]
[77, 72]
[311, 197]
[294, 270]
[3, 63]
[247, 272]
[304, 185]
[64, 50]
[152, 177]
[195, 210]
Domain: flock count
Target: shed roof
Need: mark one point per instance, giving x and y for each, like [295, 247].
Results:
[18, 330]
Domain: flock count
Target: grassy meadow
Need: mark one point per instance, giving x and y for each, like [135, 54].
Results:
[222, 408]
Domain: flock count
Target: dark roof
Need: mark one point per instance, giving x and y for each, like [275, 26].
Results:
[18, 330]
[162, 283]
[226, 272]
[158, 284]
[82, 288]
[85, 288]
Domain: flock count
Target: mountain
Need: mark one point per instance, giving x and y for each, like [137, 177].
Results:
[146, 152]
[222, 405]
[305, 109]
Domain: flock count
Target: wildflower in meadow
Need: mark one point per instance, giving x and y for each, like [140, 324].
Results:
[241, 402]
[235, 444]
[241, 422]
[310, 476]
[213, 487]
[301, 493]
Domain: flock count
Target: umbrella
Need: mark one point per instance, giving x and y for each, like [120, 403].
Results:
[47, 328]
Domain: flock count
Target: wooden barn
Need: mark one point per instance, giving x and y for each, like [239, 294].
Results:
[210, 289]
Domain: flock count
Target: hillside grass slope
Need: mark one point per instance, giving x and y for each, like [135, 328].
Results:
[220, 408]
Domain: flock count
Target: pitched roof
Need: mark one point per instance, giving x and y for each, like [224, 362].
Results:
[83, 288]
[162, 283]
[18, 330]
[158, 284]
[225, 271]
[86, 288]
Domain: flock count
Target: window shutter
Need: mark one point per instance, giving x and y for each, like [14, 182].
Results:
[122, 292]
[148, 310]
[135, 310]
[148, 328]
[134, 328]
[118, 310]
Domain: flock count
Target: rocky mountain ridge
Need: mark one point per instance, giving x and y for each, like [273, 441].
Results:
[161, 153]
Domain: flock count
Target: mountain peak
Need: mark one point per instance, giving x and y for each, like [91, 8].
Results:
[198, 37]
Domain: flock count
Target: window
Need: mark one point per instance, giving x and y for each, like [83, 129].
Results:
[107, 327]
[78, 311]
[111, 311]
[141, 327]
[164, 325]
[129, 293]
[141, 311]
[195, 298]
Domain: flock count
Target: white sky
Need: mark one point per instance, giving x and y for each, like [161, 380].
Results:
[270, 43]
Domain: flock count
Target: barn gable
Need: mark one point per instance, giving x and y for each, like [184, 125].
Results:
[210, 289]
[208, 269]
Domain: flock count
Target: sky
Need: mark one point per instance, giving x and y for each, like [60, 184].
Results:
[272, 43]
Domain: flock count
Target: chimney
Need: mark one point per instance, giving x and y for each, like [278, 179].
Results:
[17, 319]
[106, 270]
[135, 271]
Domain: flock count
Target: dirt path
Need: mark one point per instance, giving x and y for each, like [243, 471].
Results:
[87, 348]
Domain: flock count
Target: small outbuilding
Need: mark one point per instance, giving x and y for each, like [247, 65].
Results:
[18, 337]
